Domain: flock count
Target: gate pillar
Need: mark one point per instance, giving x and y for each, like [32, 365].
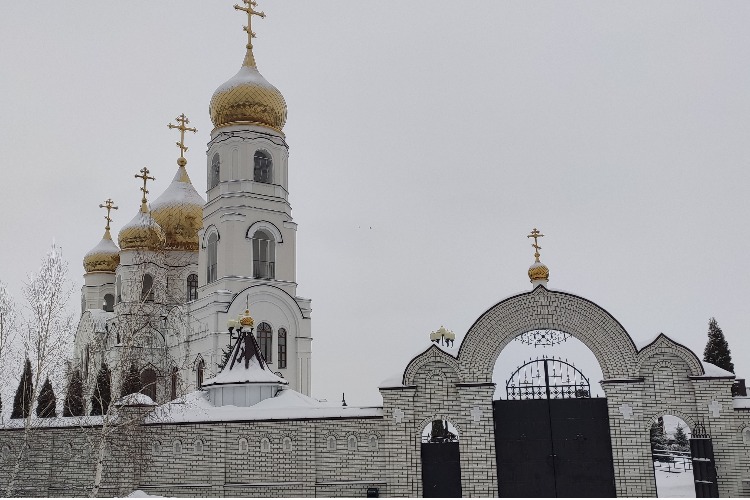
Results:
[477, 441]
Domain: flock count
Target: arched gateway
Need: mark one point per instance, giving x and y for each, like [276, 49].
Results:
[639, 384]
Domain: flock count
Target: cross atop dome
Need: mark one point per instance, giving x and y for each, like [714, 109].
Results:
[249, 57]
[109, 205]
[538, 272]
[144, 175]
[183, 121]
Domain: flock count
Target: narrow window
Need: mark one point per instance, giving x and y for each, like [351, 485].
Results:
[177, 447]
[746, 436]
[148, 383]
[373, 443]
[198, 446]
[192, 287]
[118, 288]
[242, 445]
[352, 443]
[287, 444]
[282, 347]
[173, 384]
[265, 445]
[109, 303]
[264, 249]
[265, 341]
[156, 447]
[213, 175]
[263, 171]
[147, 292]
[199, 373]
[212, 250]
[331, 443]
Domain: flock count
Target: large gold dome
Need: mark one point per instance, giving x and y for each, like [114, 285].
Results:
[248, 98]
[179, 213]
[141, 233]
[104, 257]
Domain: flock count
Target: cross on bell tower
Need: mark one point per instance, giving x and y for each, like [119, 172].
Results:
[249, 9]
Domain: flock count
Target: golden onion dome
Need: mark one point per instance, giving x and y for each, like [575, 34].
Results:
[104, 257]
[179, 212]
[141, 233]
[538, 271]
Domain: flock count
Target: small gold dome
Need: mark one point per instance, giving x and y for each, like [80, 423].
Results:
[538, 271]
[104, 257]
[247, 97]
[141, 233]
[179, 212]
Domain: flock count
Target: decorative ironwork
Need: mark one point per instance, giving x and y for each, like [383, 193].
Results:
[543, 338]
[547, 378]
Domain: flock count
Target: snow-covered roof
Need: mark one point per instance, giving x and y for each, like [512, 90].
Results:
[245, 366]
[287, 405]
[712, 370]
[180, 191]
[391, 382]
[135, 399]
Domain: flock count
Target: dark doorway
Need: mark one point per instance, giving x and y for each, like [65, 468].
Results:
[441, 461]
[553, 440]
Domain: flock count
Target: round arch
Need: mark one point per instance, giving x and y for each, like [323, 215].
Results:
[545, 309]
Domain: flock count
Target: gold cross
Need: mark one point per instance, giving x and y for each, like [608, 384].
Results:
[109, 205]
[250, 13]
[182, 120]
[144, 175]
[536, 234]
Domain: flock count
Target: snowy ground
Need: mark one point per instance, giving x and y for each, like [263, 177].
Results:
[674, 485]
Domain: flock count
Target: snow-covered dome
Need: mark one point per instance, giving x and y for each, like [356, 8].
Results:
[538, 271]
[247, 97]
[141, 233]
[179, 212]
[104, 257]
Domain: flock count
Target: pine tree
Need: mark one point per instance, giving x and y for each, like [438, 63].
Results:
[22, 401]
[717, 349]
[73, 406]
[681, 438]
[132, 382]
[226, 352]
[102, 396]
[659, 444]
[46, 402]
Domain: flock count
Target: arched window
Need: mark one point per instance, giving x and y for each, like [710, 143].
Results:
[265, 341]
[177, 447]
[351, 443]
[265, 445]
[173, 384]
[287, 446]
[156, 447]
[212, 251]
[192, 287]
[109, 303]
[118, 288]
[213, 174]
[198, 446]
[263, 169]
[199, 369]
[331, 443]
[282, 348]
[373, 443]
[147, 292]
[746, 436]
[148, 383]
[264, 255]
[242, 445]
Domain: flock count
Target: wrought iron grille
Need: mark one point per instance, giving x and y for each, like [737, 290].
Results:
[547, 378]
[544, 338]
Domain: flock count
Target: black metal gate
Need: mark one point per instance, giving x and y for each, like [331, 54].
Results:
[704, 466]
[553, 441]
[441, 470]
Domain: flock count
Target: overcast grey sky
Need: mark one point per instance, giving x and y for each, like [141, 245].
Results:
[619, 129]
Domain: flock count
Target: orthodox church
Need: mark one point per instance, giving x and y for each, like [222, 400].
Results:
[159, 299]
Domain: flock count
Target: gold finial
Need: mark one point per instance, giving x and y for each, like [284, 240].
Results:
[536, 234]
[109, 205]
[144, 175]
[249, 57]
[183, 121]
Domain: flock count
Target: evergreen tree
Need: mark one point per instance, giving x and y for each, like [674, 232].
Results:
[73, 406]
[717, 349]
[659, 444]
[226, 352]
[132, 382]
[22, 401]
[681, 439]
[102, 396]
[46, 402]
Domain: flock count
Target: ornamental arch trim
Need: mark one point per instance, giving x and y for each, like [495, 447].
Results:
[662, 343]
[543, 309]
[268, 226]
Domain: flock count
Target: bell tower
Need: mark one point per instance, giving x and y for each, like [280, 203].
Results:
[248, 243]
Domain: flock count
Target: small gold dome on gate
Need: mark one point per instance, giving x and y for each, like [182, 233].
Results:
[538, 271]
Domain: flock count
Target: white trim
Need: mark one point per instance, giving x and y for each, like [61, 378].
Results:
[269, 226]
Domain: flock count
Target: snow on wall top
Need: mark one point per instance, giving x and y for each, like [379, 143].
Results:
[287, 405]
[712, 370]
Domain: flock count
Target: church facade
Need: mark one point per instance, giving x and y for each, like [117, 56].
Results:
[188, 276]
